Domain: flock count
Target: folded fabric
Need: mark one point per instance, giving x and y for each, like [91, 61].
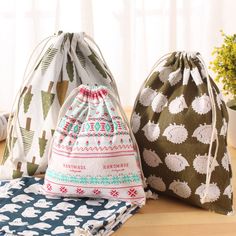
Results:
[25, 211]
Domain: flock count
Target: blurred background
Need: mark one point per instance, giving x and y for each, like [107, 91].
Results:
[132, 34]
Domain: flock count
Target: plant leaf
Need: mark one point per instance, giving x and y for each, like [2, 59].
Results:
[70, 68]
[80, 56]
[95, 60]
[47, 58]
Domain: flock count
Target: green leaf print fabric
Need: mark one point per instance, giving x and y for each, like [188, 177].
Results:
[180, 124]
[60, 64]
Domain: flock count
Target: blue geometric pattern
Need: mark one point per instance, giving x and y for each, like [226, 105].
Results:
[25, 210]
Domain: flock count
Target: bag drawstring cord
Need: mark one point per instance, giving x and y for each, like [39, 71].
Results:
[13, 117]
[95, 45]
[149, 194]
[213, 135]
[62, 112]
[157, 63]
[114, 98]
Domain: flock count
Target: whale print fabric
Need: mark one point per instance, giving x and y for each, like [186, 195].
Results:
[24, 210]
[172, 123]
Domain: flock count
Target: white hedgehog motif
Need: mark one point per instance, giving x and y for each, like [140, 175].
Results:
[176, 162]
[175, 77]
[196, 76]
[228, 191]
[146, 96]
[177, 105]
[203, 133]
[180, 188]
[135, 122]
[202, 104]
[219, 100]
[176, 133]
[200, 164]
[164, 73]
[151, 158]
[213, 192]
[151, 131]
[186, 76]
[156, 183]
[225, 161]
[159, 102]
[223, 130]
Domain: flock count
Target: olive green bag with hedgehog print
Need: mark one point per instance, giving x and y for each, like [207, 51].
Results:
[180, 124]
[65, 61]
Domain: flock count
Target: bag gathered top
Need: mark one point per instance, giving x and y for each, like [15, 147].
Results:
[93, 151]
[65, 61]
[180, 124]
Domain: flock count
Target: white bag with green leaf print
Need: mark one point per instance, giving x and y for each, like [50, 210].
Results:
[66, 60]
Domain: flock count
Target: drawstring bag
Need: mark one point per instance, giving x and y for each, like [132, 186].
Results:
[65, 61]
[94, 153]
[180, 124]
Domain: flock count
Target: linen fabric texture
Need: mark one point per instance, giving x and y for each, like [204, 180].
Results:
[93, 152]
[66, 61]
[172, 121]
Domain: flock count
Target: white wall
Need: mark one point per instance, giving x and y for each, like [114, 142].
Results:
[132, 34]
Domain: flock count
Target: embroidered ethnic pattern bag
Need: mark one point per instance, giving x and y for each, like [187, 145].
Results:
[93, 152]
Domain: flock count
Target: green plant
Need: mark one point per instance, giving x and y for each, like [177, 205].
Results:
[224, 64]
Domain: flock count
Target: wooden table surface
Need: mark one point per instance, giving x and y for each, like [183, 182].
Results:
[169, 217]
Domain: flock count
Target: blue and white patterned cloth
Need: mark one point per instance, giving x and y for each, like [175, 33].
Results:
[24, 210]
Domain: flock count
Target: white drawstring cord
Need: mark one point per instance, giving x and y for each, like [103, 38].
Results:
[213, 134]
[62, 113]
[104, 61]
[131, 134]
[157, 63]
[67, 103]
[13, 117]
[83, 73]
